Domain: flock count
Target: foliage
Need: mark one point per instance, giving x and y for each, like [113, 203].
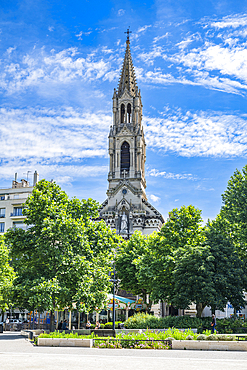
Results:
[7, 276]
[234, 210]
[127, 267]
[193, 277]
[63, 257]
[143, 340]
[144, 321]
[201, 337]
[229, 278]
[184, 263]
[109, 325]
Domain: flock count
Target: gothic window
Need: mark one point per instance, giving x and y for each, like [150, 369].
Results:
[129, 112]
[122, 113]
[125, 156]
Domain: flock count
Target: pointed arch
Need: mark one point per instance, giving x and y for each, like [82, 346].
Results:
[129, 112]
[125, 156]
[122, 113]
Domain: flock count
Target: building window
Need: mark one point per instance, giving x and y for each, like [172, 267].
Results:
[17, 211]
[2, 197]
[125, 156]
[1, 227]
[20, 225]
[2, 212]
[122, 113]
[129, 112]
[16, 196]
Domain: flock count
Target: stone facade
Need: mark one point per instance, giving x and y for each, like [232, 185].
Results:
[126, 208]
[11, 203]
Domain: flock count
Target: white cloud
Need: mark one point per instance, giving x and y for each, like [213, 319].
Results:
[10, 49]
[120, 12]
[62, 174]
[197, 134]
[51, 29]
[150, 56]
[227, 60]
[61, 134]
[158, 38]
[87, 33]
[62, 67]
[203, 188]
[172, 176]
[154, 198]
[233, 21]
[144, 28]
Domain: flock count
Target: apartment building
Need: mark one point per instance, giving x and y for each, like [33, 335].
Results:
[11, 203]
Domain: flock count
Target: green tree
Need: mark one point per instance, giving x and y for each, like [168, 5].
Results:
[7, 276]
[182, 229]
[63, 258]
[234, 210]
[229, 275]
[127, 260]
[193, 277]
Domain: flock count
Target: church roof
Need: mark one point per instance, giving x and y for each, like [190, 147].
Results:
[127, 77]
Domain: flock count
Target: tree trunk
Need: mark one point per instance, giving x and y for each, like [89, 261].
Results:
[51, 321]
[235, 314]
[199, 307]
[2, 315]
[149, 306]
[144, 294]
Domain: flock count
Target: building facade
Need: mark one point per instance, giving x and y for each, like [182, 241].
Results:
[126, 208]
[11, 203]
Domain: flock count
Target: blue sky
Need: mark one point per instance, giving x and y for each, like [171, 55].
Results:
[61, 60]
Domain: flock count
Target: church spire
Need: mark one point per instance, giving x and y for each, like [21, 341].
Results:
[127, 77]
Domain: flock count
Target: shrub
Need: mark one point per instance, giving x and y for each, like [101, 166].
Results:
[189, 337]
[109, 325]
[170, 338]
[201, 337]
[212, 337]
[144, 320]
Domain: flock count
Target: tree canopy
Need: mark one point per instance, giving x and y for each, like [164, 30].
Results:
[63, 258]
[234, 210]
[7, 276]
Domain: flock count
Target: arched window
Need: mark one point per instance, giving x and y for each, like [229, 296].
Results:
[122, 113]
[125, 156]
[129, 112]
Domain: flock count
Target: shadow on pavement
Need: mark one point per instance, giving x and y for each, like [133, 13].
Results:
[10, 336]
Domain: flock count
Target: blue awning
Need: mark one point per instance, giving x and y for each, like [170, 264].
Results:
[121, 299]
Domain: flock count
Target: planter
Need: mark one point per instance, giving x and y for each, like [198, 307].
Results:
[65, 342]
[127, 331]
[208, 345]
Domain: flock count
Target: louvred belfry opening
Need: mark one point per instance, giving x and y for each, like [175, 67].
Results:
[125, 156]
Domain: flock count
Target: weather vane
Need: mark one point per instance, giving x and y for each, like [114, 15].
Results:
[128, 34]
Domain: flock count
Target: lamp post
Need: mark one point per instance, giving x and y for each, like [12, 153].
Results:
[114, 280]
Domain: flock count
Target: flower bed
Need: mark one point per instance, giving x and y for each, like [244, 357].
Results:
[148, 339]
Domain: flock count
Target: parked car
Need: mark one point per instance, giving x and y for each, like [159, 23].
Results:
[15, 321]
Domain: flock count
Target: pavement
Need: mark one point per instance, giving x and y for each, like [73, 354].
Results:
[17, 353]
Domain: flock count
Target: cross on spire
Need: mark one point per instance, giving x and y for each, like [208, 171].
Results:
[128, 34]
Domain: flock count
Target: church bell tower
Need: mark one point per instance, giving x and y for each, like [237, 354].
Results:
[126, 209]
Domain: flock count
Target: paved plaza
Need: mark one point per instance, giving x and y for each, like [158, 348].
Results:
[18, 353]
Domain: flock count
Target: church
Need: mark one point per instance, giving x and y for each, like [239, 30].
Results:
[126, 208]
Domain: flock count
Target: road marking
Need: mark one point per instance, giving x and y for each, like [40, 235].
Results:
[130, 357]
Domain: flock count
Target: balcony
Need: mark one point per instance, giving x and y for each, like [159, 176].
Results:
[16, 214]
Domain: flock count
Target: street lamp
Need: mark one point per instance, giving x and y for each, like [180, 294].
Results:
[113, 280]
